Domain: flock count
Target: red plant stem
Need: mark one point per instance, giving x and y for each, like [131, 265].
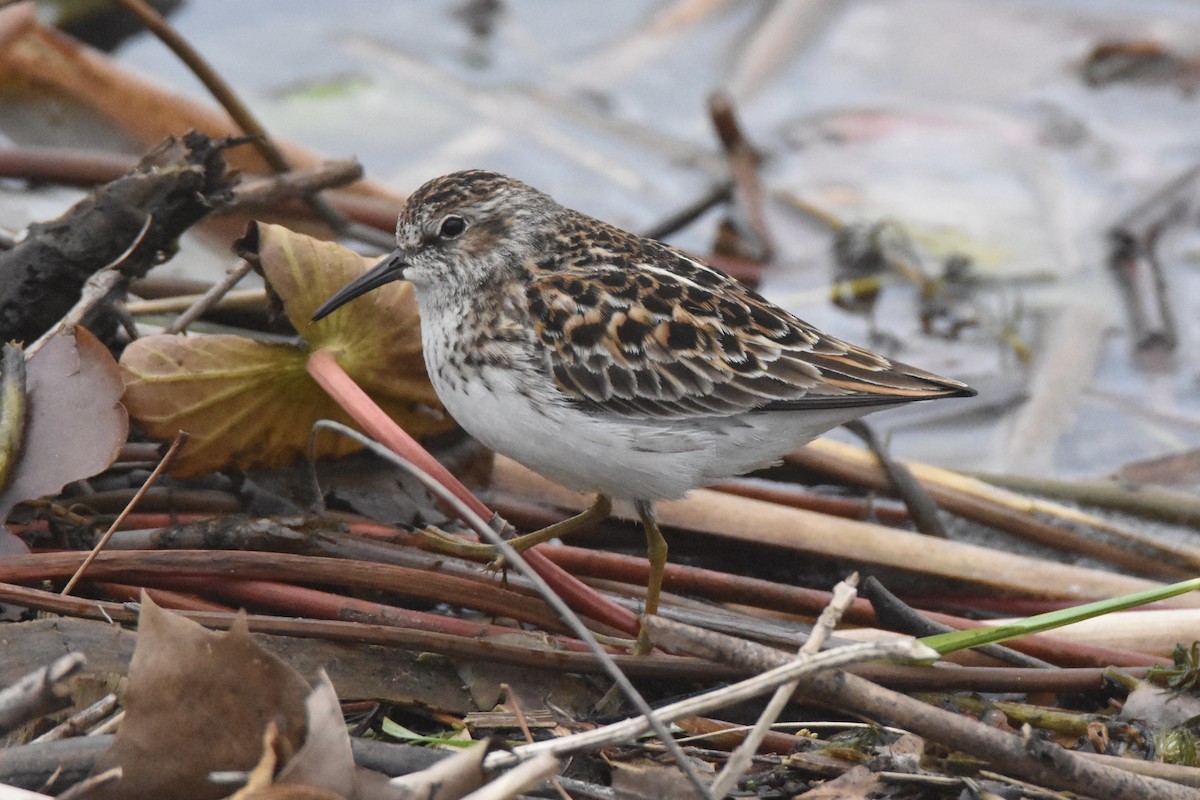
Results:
[298, 601]
[795, 497]
[329, 375]
[163, 597]
[661, 667]
[218, 565]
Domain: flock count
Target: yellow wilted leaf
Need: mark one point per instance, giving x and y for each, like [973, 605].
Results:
[250, 404]
[378, 341]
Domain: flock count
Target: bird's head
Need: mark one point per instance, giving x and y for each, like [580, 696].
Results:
[457, 235]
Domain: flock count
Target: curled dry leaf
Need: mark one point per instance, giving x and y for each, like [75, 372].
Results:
[324, 762]
[198, 702]
[324, 766]
[448, 779]
[12, 429]
[249, 404]
[12, 408]
[75, 423]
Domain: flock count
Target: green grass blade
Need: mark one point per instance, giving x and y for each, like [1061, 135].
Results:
[976, 637]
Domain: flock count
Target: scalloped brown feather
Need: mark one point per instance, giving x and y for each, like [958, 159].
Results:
[630, 326]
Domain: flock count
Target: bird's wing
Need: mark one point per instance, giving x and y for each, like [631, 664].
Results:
[674, 337]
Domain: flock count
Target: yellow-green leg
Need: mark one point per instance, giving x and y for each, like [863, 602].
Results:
[656, 554]
[596, 512]
[453, 545]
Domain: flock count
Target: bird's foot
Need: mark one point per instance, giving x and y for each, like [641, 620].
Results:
[439, 541]
[642, 646]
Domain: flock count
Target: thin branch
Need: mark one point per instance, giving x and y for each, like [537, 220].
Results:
[216, 85]
[518, 780]
[40, 690]
[210, 298]
[843, 596]
[806, 666]
[180, 440]
[1029, 758]
[297, 184]
[81, 720]
[233, 300]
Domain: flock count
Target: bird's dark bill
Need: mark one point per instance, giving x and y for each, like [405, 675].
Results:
[386, 271]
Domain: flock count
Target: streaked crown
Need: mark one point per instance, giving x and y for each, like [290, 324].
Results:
[470, 228]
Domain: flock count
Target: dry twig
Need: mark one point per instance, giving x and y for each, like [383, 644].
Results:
[843, 595]
[38, 692]
[1032, 759]
[180, 441]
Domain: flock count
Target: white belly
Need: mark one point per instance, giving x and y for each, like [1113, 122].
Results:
[623, 458]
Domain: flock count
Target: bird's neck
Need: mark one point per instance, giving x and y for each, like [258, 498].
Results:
[480, 325]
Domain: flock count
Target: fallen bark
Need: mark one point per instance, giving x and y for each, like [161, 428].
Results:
[129, 223]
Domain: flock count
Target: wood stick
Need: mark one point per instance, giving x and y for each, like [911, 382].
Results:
[742, 519]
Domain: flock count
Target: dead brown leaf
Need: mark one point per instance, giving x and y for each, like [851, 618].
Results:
[198, 701]
[244, 403]
[250, 404]
[325, 764]
[284, 792]
[325, 761]
[854, 784]
[75, 424]
[650, 781]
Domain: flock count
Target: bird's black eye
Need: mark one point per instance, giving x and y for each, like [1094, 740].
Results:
[452, 227]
